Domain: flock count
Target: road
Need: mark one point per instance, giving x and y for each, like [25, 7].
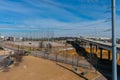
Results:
[104, 45]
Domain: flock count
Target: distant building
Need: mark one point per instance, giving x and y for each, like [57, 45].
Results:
[2, 37]
[21, 38]
[10, 38]
[104, 38]
[18, 39]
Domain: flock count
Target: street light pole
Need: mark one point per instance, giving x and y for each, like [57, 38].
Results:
[114, 55]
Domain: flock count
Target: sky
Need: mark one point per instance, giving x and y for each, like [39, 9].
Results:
[63, 17]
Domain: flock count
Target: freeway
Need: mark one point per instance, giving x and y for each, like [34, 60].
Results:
[101, 44]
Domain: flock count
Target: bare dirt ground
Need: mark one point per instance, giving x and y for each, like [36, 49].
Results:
[32, 68]
[90, 75]
[3, 52]
[35, 43]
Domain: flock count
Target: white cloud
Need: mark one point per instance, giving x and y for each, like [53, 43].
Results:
[9, 6]
[52, 10]
[87, 28]
[34, 8]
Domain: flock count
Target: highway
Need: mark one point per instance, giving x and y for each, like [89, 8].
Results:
[101, 44]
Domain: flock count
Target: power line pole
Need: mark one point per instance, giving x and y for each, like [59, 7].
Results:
[114, 63]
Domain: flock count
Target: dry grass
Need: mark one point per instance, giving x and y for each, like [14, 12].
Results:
[89, 75]
[2, 52]
[38, 69]
[28, 48]
[23, 47]
[69, 52]
[105, 54]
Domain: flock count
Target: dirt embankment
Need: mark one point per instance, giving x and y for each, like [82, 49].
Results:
[32, 68]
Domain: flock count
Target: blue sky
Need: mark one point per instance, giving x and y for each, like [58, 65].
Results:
[64, 17]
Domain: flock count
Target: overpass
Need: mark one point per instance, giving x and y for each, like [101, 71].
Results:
[99, 45]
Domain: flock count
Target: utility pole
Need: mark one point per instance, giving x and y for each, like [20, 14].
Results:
[114, 54]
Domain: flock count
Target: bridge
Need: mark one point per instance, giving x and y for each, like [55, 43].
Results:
[99, 45]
